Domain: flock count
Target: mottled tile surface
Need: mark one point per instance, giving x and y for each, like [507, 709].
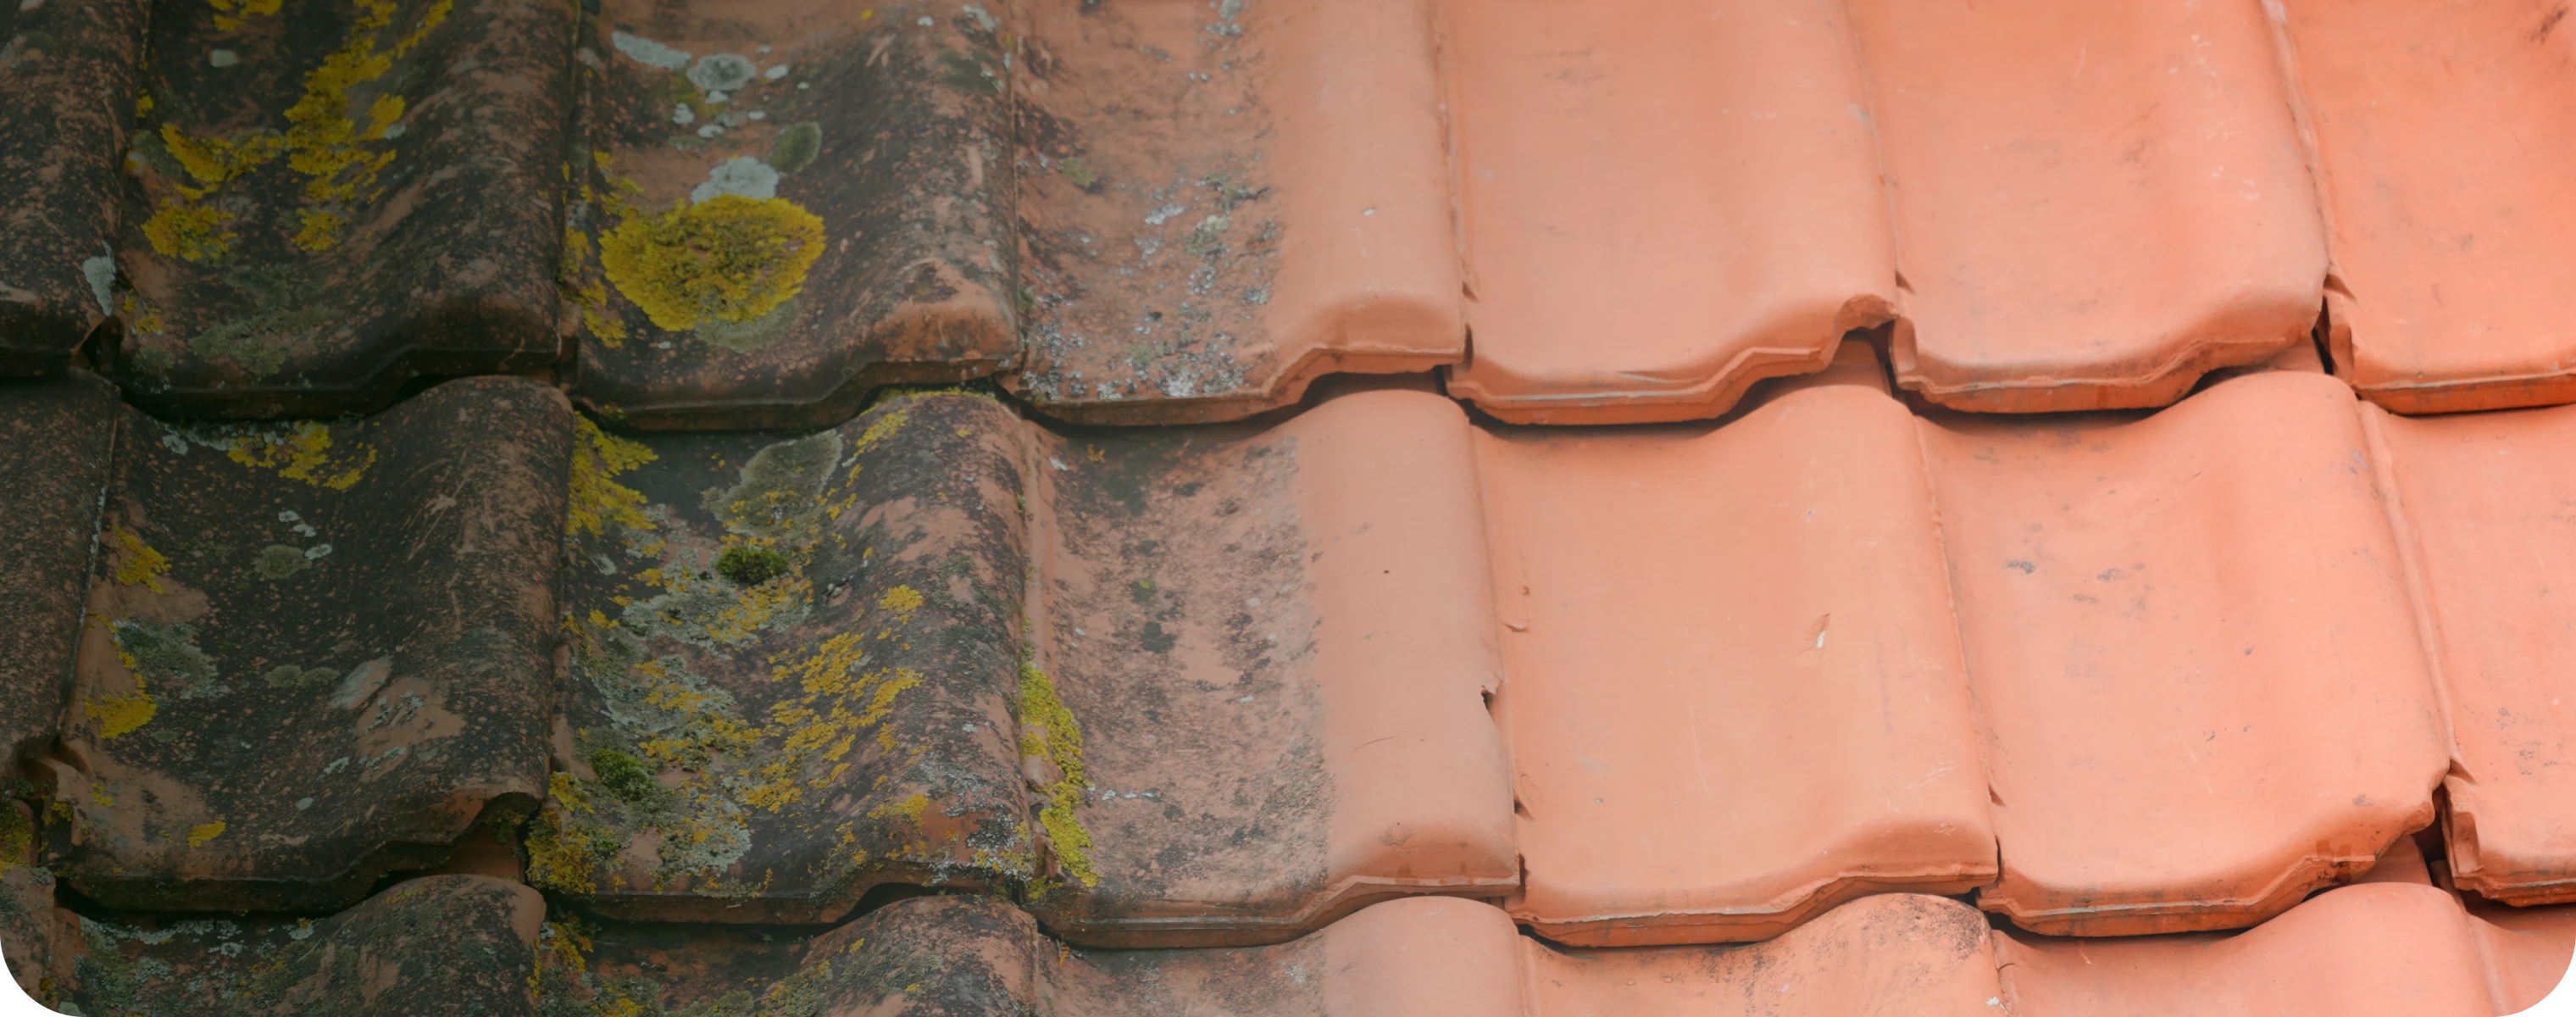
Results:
[70, 70]
[55, 439]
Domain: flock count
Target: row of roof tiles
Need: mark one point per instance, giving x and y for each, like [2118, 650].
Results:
[462, 944]
[717, 216]
[2120, 673]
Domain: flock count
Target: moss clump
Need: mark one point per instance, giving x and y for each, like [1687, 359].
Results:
[623, 775]
[796, 147]
[1048, 731]
[751, 566]
[730, 258]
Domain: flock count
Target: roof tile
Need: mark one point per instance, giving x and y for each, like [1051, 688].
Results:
[2385, 948]
[61, 432]
[312, 652]
[2194, 653]
[1219, 203]
[442, 946]
[1789, 684]
[1663, 203]
[2093, 205]
[2438, 130]
[70, 72]
[2477, 498]
[294, 252]
[794, 136]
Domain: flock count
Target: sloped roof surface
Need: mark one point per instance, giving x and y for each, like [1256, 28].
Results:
[1283, 506]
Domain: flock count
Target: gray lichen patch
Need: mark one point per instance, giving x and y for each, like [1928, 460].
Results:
[167, 658]
[278, 561]
[780, 496]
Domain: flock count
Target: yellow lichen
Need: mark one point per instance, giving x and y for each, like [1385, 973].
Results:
[560, 857]
[215, 160]
[199, 834]
[122, 715]
[303, 452]
[902, 600]
[597, 499]
[136, 563]
[1048, 731]
[99, 795]
[587, 290]
[729, 258]
[190, 231]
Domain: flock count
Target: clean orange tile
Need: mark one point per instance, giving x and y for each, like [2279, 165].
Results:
[1890, 954]
[1219, 203]
[1663, 201]
[2442, 133]
[2094, 203]
[1737, 696]
[2359, 951]
[2483, 500]
[1277, 642]
[2191, 641]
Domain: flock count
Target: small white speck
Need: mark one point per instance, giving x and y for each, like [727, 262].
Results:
[223, 58]
[1371, 210]
[968, 728]
[1164, 214]
[289, 516]
[302, 804]
[710, 130]
[29, 5]
[775, 73]
[682, 114]
[758, 114]
[663, 345]
[719, 97]
[395, 130]
[803, 85]
[317, 552]
[760, 49]
[1058, 464]
[1245, 699]
[925, 22]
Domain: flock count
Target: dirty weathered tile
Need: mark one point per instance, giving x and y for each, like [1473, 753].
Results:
[786, 205]
[442, 946]
[2093, 205]
[70, 69]
[1276, 655]
[1887, 954]
[331, 199]
[1221, 202]
[1736, 694]
[1663, 202]
[793, 667]
[2439, 131]
[41, 940]
[314, 651]
[56, 435]
[2190, 640]
[2481, 501]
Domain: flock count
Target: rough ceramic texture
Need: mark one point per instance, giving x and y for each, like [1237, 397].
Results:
[69, 68]
[2479, 502]
[1885, 955]
[312, 652]
[40, 940]
[2093, 205]
[2202, 691]
[1662, 203]
[330, 199]
[793, 667]
[443, 946]
[1278, 660]
[2388, 948]
[1722, 730]
[59, 433]
[1222, 201]
[844, 175]
[2438, 129]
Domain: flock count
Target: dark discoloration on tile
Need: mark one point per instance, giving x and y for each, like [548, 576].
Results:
[847, 175]
[791, 668]
[40, 940]
[330, 199]
[1149, 220]
[315, 651]
[443, 946]
[57, 434]
[69, 69]
[1178, 631]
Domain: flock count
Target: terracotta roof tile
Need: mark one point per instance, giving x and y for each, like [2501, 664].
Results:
[1663, 203]
[61, 431]
[2476, 496]
[289, 252]
[444, 946]
[2437, 130]
[1788, 684]
[69, 70]
[1220, 202]
[805, 131]
[2229, 706]
[2093, 206]
[311, 652]
[2364, 950]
